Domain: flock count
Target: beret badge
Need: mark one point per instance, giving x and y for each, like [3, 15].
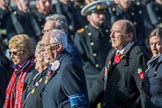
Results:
[99, 7]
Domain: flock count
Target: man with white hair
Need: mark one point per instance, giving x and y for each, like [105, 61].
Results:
[64, 86]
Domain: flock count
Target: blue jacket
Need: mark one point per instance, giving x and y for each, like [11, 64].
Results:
[66, 88]
[153, 83]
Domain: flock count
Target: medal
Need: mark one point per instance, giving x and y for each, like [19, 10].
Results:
[55, 65]
[46, 81]
[33, 90]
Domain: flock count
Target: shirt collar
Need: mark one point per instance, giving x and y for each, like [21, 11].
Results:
[125, 48]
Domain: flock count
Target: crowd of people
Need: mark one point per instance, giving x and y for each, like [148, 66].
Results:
[81, 54]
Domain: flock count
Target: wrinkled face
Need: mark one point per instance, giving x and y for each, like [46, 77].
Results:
[96, 19]
[47, 48]
[4, 4]
[49, 25]
[18, 56]
[124, 4]
[39, 64]
[118, 36]
[155, 45]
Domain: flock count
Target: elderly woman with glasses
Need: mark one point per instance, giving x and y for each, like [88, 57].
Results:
[33, 99]
[20, 47]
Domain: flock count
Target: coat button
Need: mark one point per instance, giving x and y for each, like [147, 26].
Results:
[92, 43]
[97, 65]
[89, 34]
[94, 54]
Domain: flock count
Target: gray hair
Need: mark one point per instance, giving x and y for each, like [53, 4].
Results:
[38, 46]
[58, 36]
[60, 21]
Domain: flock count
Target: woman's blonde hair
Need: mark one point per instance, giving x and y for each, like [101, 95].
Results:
[21, 42]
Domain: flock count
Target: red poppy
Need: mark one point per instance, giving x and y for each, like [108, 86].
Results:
[141, 73]
[117, 58]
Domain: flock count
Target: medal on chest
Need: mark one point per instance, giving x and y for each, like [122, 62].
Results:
[53, 68]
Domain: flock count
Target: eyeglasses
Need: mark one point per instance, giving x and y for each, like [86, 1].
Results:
[45, 45]
[44, 31]
[15, 53]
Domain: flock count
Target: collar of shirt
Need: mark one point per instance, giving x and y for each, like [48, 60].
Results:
[124, 49]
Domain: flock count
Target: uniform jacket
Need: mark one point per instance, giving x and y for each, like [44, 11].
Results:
[93, 46]
[154, 12]
[122, 84]
[152, 83]
[66, 88]
[70, 13]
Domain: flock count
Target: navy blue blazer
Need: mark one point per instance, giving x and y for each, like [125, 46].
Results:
[66, 88]
[153, 83]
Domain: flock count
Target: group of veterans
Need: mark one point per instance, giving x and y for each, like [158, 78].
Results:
[81, 54]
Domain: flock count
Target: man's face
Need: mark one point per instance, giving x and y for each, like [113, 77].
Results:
[44, 6]
[4, 4]
[124, 4]
[156, 45]
[48, 26]
[118, 36]
[96, 19]
[46, 47]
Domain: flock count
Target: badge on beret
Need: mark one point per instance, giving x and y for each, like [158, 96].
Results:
[55, 65]
[99, 7]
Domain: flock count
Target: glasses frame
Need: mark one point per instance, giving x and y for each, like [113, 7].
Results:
[15, 53]
[53, 44]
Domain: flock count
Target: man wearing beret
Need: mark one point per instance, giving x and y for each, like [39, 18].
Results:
[92, 41]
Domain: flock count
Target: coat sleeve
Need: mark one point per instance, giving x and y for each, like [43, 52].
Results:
[97, 91]
[139, 68]
[74, 86]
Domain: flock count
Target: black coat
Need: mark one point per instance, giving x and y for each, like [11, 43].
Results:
[122, 84]
[93, 46]
[66, 88]
[4, 76]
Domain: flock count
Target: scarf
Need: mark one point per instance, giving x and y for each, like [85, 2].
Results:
[14, 91]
